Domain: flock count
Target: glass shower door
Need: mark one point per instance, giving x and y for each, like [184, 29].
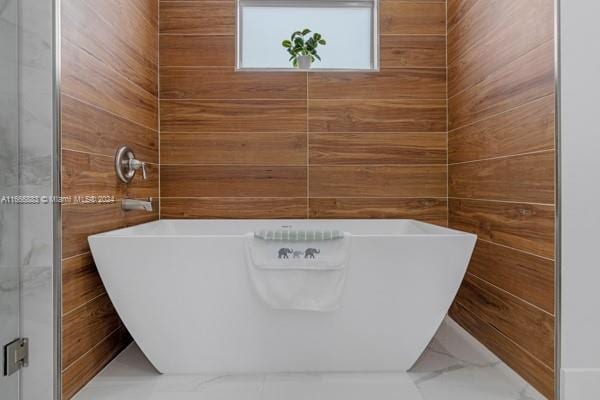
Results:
[9, 186]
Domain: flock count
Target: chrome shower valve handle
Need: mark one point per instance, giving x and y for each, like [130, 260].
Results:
[126, 165]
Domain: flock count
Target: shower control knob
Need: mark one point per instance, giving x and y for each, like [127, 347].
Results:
[126, 165]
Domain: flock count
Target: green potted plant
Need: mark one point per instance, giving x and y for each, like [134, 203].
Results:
[303, 51]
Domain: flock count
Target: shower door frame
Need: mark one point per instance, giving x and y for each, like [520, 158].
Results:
[56, 208]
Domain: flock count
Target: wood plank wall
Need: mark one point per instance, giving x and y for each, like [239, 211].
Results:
[501, 176]
[298, 145]
[109, 97]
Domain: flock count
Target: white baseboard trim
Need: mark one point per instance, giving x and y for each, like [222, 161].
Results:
[580, 383]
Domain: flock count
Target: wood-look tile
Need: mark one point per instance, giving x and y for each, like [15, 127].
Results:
[433, 211]
[402, 83]
[198, 17]
[377, 148]
[524, 275]
[84, 369]
[92, 26]
[233, 208]
[528, 24]
[377, 115]
[82, 220]
[226, 83]
[89, 129]
[457, 10]
[528, 326]
[86, 174]
[412, 51]
[525, 129]
[398, 17]
[232, 181]
[533, 370]
[233, 116]
[80, 282]
[378, 181]
[525, 178]
[484, 18]
[265, 148]
[86, 78]
[148, 9]
[526, 227]
[529, 78]
[197, 50]
[86, 326]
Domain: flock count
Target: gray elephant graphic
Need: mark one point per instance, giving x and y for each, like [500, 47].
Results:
[285, 253]
[297, 254]
[310, 253]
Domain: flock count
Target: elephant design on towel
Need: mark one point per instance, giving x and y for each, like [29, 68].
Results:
[310, 253]
[285, 253]
[297, 254]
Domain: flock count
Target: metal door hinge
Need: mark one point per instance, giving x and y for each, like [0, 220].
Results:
[16, 356]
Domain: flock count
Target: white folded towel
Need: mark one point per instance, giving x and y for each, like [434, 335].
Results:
[298, 275]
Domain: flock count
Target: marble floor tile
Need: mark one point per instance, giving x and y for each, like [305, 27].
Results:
[454, 367]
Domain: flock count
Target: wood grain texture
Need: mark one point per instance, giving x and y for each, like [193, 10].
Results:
[433, 211]
[85, 174]
[82, 220]
[197, 17]
[526, 227]
[397, 17]
[109, 98]
[226, 83]
[528, 326]
[377, 148]
[84, 369]
[524, 275]
[232, 181]
[412, 51]
[85, 327]
[197, 50]
[457, 10]
[258, 148]
[92, 130]
[85, 78]
[233, 116]
[377, 115]
[527, 25]
[378, 181]
[233, 208]
[533, 370]
[525, 178]
[80, 282]
[403, 83]
[526, 129]
[528, 78]
[102, 31]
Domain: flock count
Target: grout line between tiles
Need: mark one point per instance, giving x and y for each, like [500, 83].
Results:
[104, 293]
[538, 99]
[506, 156]
[510, 294]
[502, 201]
[503, 335]
[107, 111]
[92, 349]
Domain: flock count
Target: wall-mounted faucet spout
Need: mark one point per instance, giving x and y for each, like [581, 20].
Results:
[132, 204]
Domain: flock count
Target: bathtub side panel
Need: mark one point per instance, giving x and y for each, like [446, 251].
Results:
[196, 293]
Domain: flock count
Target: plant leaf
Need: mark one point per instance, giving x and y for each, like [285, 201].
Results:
[306, 31]
[286, 43]
[316, 55]
[322, 41]
[317, 36]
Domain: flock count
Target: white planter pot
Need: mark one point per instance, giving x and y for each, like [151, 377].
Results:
[304, 62]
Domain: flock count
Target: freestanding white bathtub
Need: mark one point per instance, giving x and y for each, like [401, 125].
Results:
[182, 288]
